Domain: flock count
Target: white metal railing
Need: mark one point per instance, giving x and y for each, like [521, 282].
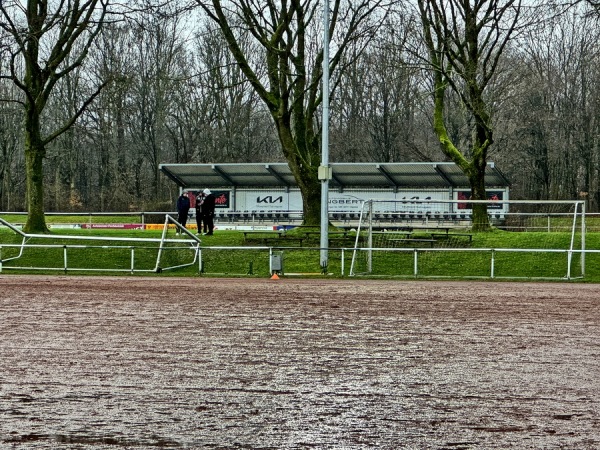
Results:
[66, 263]
[192, 244]
[569, 253]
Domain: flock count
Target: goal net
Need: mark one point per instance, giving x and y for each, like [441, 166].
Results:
[435, 238]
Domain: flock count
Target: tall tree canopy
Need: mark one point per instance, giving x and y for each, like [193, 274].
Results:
[288, 79]
[193, 103]
[465, 40]
[48, 41]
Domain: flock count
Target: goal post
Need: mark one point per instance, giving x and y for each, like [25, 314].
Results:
[422, 233]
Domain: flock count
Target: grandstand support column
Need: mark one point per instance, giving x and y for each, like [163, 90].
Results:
[324, 169]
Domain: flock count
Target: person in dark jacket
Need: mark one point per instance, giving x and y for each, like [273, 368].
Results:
[199, 213]
[208, 212]
[183, 208]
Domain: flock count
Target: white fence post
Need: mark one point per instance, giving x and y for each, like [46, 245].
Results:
[416, 258]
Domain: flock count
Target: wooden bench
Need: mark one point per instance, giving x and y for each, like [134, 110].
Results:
[415, 240]
[449, 235]
[389, 235]
[434, 229]
[390, 229]
[317, 234]
[344, 238]
[347, 241]
[262, 234]
[270, 237]
[283, 239]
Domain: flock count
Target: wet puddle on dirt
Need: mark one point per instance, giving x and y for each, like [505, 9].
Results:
[118, 363]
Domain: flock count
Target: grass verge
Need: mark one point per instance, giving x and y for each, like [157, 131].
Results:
[227, 254]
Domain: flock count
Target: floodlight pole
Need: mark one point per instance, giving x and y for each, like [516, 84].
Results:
[324, 169]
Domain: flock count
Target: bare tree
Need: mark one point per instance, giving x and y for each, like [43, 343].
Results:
[378, 112]
[105, 121]
[394, 120]
[465, 40]
[11, 141]
[44, 39]
[66, 154]
[556, 115]
[158, 49]
[288, 34]
[237, 123]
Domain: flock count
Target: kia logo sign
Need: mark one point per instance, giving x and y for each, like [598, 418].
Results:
[269, 200]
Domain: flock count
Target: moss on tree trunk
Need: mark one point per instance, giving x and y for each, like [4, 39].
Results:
[303, 160]
[480, 218]
[34, 157]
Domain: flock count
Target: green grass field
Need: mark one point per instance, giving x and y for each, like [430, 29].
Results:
[227, 254]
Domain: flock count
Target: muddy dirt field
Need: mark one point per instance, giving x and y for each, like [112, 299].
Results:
[195, 363]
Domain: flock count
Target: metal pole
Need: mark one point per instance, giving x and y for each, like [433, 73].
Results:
[583, 231]
[324, 171]
[370, 231]
[416, 263]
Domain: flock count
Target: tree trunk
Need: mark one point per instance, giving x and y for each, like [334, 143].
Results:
[465, 43]
[310, 189]
[34, 157]
[305, 174]
[47, 41]
[480, 217]
[289, 83]
[474, 168]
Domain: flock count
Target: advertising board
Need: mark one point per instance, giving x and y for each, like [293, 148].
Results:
[494, 196]
[350, 200]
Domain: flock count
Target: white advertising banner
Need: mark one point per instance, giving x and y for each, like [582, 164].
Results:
[275, 200]
[268, 200]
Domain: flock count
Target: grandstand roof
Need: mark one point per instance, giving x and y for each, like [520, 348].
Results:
[345, 175]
